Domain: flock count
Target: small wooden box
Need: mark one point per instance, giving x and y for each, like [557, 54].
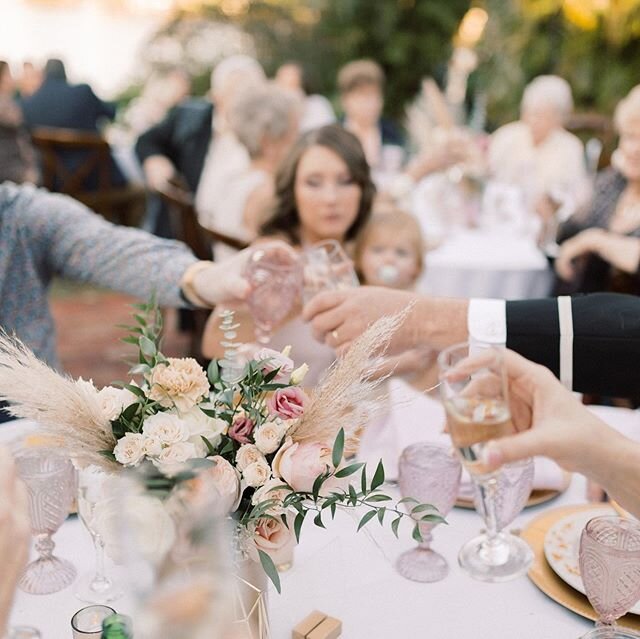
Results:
[318, 625]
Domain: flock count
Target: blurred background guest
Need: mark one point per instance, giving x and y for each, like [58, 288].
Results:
[537, 154]
[265, 121]
[16, 155]
[30, 79]
[615, 212]
[316, 109]
[361, 88]
[59, 104]
[323, 192]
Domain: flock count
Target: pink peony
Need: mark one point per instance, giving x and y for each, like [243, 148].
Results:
[300, 464]
[287, 403]
[241, 429]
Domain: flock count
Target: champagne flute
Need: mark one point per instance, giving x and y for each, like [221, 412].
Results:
[50, 481]
[326, 267]
[475, 396]
[610, 569]
[276, 282]
[429, 473]
[94, 587]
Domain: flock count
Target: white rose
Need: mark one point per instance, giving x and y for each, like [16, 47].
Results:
[129, 450]
[248, 454]
[167, 428]
[256, 474]
[139, 520]
[271, 492]
[180, 382]
[172, 458]
[152, 447]
[114, 400]
[269, 436]
[201, 425]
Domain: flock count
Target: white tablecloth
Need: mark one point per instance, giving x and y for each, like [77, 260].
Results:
[351, 576]
[483, 263]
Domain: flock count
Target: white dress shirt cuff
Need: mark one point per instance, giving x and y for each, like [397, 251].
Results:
[487, 322]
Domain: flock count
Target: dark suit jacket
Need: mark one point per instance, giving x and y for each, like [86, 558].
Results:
[59, 104]
[606, 343]
[183, 137]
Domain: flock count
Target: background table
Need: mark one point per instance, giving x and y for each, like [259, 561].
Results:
[486, 263]
[351, 576]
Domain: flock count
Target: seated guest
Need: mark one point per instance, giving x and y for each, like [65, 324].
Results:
[16, 155]
[316, 109]
[194, 141]
[323, 192]
[265, 121]
[361, 87]
[30, 79]
[15, 529]
[59, 104]
[538, 154]
[615, 208]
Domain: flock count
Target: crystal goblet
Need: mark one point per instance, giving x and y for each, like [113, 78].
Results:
[326, 267]
[50, 482]
[610, 569]
[97, 586]
[276, 282]
[476, 400]
[429, 473]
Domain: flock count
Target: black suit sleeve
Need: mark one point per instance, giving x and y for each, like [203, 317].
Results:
[606, 342]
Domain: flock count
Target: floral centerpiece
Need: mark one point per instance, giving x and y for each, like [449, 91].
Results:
[271, 453]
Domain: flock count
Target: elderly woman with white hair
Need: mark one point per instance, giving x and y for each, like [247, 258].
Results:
[265, 121]
[608, 235]
[537, 153]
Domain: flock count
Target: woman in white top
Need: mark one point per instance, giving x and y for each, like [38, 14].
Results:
[323, 192]
[537, 153]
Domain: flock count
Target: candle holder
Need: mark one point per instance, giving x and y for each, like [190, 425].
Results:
[87, 622]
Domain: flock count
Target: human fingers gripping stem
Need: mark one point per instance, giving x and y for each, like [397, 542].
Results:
[14, 533]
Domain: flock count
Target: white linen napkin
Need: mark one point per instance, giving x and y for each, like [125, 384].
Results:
[414, 417]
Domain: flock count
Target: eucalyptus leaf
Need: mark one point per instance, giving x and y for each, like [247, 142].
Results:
[420, 508]
[416, 534]
[270, 569]
[348, 470]
[378, 476]
[297, 524]
[366, 518]
[394, 525]
[338, 449]
[147, 346]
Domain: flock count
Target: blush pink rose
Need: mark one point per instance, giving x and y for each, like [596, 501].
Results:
[241, 429]
[300, 464]
[274, 538]
[287, 403]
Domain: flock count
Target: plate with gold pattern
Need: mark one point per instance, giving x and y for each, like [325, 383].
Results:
[562, 547]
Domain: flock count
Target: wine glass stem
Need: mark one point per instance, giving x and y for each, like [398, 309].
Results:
[488, 493]
[427, 537]
[45, 545]
[100, 577]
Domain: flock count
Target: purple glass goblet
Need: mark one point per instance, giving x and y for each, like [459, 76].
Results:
[430, 473]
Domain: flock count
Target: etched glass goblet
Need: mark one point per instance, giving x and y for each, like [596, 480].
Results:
[50, 482]
[326, 267]
[610, 569]
[429, 473]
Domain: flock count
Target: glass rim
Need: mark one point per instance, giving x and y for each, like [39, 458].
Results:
[611, 519]
[39, 452]
[270, 266]
[75, 614]
[448, 448]
[443, 366]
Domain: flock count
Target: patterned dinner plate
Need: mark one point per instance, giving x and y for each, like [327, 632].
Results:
[562, 545]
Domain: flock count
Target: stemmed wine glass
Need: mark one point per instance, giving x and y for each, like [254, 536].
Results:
[94, 587]
[475, 396]
[276, 281]
[50, 482]
[326, 266]
[429, 473]
[610, 569]
[513, 488]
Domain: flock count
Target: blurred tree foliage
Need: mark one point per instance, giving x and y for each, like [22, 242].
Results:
[409, 38]
[594, 44]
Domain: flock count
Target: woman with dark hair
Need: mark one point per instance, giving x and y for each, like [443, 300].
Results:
[323, 192]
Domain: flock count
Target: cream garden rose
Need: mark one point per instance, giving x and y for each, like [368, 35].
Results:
[181, 383]
[269, 436]
[167, 428]
[271, 491]
[256, 474]
[201, 425]
[274, 538]
[300, 464]
[114, 400]
[248, 454]
[226, 480]
[172, 458]
[129, 451]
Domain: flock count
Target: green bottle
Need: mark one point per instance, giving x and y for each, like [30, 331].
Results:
[117, 627]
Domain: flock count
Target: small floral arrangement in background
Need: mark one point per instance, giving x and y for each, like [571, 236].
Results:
[270, 453]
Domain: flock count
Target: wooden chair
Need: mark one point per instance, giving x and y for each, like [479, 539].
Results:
[122, 204]
[184, 221]
[594, 126]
